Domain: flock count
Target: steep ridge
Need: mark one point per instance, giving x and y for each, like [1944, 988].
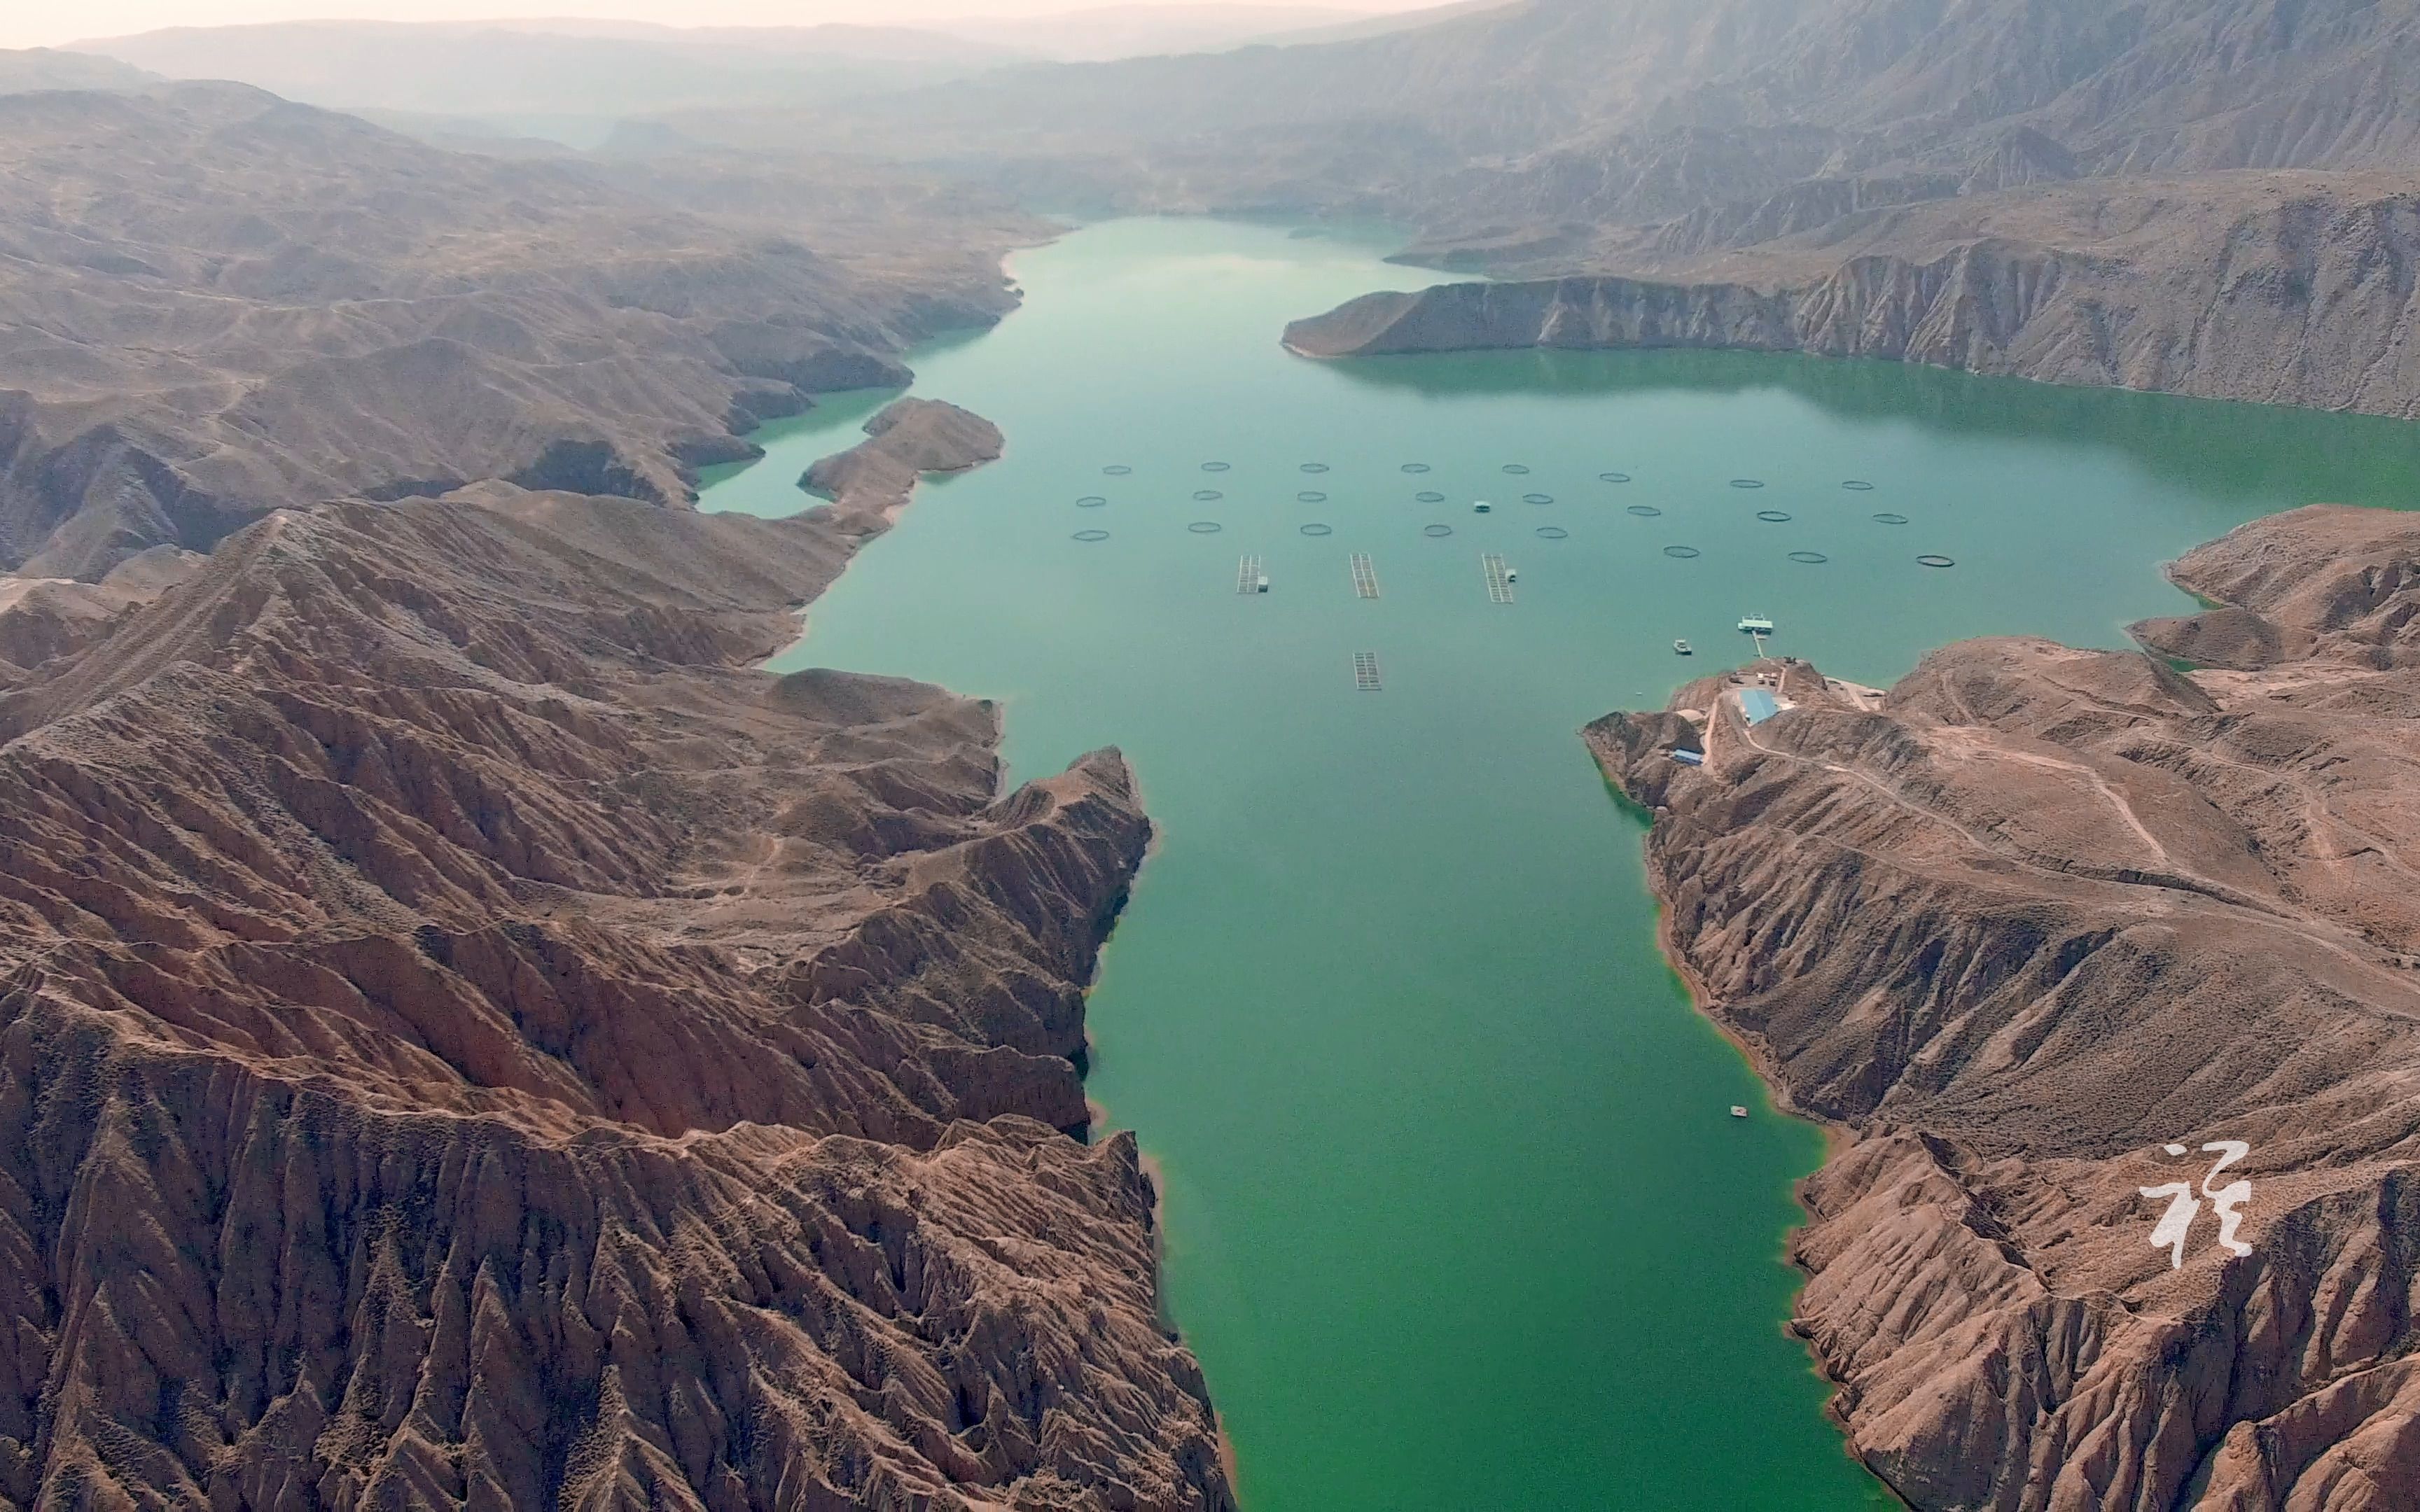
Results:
[2019, 928]
[2287, 289]
[470, 1041]
[214, 302]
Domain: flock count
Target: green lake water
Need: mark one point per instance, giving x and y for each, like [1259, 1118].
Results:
[1456, 1216]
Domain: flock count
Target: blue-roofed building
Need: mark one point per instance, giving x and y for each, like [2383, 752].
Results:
[1758, 703]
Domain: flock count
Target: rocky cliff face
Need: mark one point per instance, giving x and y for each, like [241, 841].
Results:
[2291, 290]
[470, 1041]
[2021, 928]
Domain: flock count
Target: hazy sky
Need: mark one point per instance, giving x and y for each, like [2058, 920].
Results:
[36, 24]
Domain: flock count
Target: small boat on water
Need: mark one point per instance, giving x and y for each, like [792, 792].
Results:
[1681, 648]
[1261, 584]
[1481, 507]
[1738, 1112]
[1512, 575]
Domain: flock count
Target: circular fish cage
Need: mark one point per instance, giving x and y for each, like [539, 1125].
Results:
[1645, 511]
[1436, 530]
[1684, 552]
[1747, 483]
[1891, 519]
[1933, 558]
[1613, 477]
[1214, 467]
[1314, 466]
[1311, 495]
[1091, 501]
[1553, 533]
[1858, 486]
[1810, 558]
[1772, 517]
[1430, 496]
[1207, 496]
[1537, 499]
[1416, 466]
[1205, 527]
[1116, 469]
[1516, 470]
[1090, 536]
[1314, 527]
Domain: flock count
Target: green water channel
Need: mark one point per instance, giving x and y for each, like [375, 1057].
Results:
[1456, 1216]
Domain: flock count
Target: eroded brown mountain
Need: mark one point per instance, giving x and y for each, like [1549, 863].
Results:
[469, 1040]
[2275, 287]
[2022, 924]
[214, 302]
[871, 482]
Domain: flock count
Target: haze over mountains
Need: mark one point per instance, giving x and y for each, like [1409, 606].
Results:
[2063, 189]
[221, 302]
[537, 1059]
[570, 78]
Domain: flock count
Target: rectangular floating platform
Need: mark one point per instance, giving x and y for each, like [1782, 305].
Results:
[1365, 671]
[1365, 577]
[1500, 579]
[1248, 576]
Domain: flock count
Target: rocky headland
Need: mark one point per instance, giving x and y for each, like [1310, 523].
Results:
[470, 1040]
[908, 438]
[2022, 924]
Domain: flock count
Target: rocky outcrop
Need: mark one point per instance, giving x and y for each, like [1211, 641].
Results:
[469, 1040]
[214, 304]
[41, 618]
[2021, 928]
[2289, 290]
[871, 482]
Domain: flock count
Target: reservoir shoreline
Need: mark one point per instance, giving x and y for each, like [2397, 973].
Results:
[1377, 921]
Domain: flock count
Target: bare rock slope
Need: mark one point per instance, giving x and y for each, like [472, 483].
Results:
[2017, 927]
[468, 1040]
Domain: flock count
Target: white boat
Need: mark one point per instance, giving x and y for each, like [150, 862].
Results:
[1512, 575]
[1681, 648]
[1738, 1112]
[1261, 584]
[1481, 507]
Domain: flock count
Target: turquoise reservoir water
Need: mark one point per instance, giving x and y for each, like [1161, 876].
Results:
[1456, 1216]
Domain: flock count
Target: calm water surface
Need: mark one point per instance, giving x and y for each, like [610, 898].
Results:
[1456, 1216]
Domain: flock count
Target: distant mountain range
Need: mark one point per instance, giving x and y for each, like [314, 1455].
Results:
[2105, 160]
[571, 79]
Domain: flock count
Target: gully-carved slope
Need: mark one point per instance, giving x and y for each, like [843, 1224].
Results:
[2025, 920]
[468, 1040]
[214, 302]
